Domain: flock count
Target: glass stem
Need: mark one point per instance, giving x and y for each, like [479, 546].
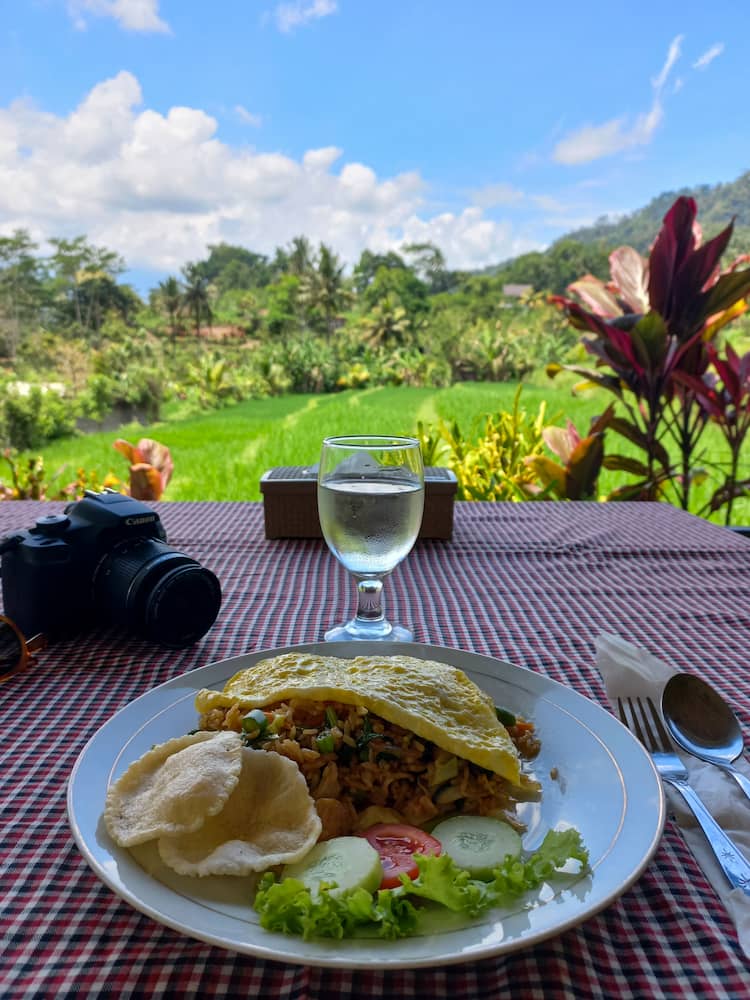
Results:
[370, 600]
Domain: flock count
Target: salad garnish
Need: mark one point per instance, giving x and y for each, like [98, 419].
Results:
[290, 907]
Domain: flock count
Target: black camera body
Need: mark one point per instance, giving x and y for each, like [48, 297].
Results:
[106, 559]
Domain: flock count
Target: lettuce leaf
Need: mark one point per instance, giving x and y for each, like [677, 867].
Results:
[394, 915]
[556, 850]
[516, 876]
[443, 882]
[290, 908]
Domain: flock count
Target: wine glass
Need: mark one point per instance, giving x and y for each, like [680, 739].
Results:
[370, 504]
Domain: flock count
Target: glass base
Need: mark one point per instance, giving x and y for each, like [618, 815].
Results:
[379, 631]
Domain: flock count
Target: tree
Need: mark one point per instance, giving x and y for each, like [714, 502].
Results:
[322, 290]
[280, 264]
[399, 286]
[300, 259]
[368, 266]
[429, 265]
[556, 268]
[196, 297]
[20, 287]
[170, 297]
[231, 267]
[99, 295]
[386, 325]
[84, 282]
[283, 306]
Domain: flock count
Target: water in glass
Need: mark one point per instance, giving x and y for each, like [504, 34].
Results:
[370, 504]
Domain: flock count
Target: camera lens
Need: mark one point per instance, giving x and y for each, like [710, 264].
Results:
[164, 595]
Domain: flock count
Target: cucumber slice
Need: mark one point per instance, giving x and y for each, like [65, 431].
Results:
[477, 843]
[350, 862]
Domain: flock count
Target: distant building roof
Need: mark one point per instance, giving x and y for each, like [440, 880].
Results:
[516, 291]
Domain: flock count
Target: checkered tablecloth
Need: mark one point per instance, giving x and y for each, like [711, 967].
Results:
[533, 583]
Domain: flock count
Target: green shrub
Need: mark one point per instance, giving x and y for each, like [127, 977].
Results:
[140, 390]
[491, 463]
[309, 364]
[355, 376]
[31, 420]
[412, 367]
[97, 399]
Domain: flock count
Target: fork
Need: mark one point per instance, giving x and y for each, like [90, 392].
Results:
[645, 722]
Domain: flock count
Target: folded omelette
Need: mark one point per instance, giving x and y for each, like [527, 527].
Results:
[433, 700]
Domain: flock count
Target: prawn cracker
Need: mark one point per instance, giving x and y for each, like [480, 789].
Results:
[173, 788]
[269, 819]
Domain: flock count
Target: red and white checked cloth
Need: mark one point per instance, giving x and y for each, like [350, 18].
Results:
[534, 583]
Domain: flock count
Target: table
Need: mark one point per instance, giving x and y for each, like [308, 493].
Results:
[533, 583]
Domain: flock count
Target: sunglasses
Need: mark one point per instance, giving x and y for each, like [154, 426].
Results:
[15, 650]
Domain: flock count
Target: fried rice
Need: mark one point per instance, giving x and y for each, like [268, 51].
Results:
[362, 770]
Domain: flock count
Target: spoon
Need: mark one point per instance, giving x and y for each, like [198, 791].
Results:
[702, 723]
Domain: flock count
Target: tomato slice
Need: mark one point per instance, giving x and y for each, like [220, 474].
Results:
[396, 843]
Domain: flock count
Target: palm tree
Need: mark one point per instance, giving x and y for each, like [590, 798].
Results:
[195, 298]
[387, 324]
[331, 295]
[170, 293]
[299, 260]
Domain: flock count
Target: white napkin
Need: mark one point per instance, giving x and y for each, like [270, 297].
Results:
[629, 671]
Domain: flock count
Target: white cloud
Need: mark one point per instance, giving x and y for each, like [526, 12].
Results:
[592, 142]
[468, 240]
[708, 56]
[159, 187]
[248, 117]
[672, 56]
[133, 15]
[292, 15]
[321, 159]
[497, 194]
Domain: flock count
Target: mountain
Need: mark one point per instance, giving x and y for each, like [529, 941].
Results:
[587, 250]
[716, 206]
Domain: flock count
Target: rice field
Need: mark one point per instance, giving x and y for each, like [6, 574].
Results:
[222, 454]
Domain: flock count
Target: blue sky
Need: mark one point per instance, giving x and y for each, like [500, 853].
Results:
[158, 127]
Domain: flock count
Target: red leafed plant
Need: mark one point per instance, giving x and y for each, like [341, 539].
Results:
[150, 467]
[652, 329]
[724, 395]
[575, 476]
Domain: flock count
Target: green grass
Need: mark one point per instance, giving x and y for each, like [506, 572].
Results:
[221, 455]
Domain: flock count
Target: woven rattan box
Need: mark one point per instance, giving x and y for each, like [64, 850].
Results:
[290, 504]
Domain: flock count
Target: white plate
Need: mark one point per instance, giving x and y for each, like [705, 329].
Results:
[604, 784]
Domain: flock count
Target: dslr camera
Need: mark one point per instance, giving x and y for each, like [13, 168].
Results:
[106, 559]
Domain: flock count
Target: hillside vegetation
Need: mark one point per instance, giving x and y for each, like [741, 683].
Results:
[587, 249]
[718, 203]
[82, 351]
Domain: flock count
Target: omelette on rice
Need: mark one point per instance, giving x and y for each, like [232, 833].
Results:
[379, 739]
